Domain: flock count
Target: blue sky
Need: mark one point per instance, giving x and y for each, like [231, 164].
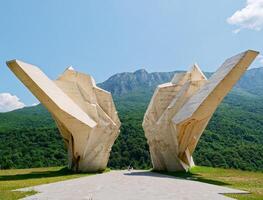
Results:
[102, 38]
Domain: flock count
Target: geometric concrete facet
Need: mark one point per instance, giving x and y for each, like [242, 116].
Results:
[84, 113]
[180, 110]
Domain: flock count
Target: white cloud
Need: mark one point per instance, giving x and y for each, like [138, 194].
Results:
[250, 17]
[236, 31]
[260, 59]
[35, 104]
[9, 102]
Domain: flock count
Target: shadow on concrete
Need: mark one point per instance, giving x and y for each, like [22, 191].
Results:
[176, 175]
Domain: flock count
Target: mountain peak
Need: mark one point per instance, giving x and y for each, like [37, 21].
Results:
[126, 82]
[141, 71]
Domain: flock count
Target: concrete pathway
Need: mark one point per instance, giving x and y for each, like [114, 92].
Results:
[135, 185]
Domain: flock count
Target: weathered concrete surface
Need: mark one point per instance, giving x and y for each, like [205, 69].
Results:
[84, 113]
[124, 185]
[180, 110]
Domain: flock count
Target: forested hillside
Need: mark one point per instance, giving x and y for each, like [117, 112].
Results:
[233, 138]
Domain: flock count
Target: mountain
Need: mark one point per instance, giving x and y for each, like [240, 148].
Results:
[252, 81]
[233, 138]
[127, 82]
[123, 83]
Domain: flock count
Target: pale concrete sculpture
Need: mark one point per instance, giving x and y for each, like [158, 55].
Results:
[84, 113]
[181, 109]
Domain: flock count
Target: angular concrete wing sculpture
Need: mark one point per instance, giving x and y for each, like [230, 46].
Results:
[181, 109]
[85, 114]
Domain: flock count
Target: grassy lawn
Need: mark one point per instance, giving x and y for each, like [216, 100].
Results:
[19, 178]
[243, 180]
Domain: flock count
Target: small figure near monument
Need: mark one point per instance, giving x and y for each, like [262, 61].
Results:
[130, 168]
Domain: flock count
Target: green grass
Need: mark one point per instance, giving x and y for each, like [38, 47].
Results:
[243, 180]
[20, 178]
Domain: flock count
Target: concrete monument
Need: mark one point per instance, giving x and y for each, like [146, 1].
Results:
[84, 113]
[180, 110]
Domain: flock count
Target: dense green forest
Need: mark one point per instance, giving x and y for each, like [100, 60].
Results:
[233, 138]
